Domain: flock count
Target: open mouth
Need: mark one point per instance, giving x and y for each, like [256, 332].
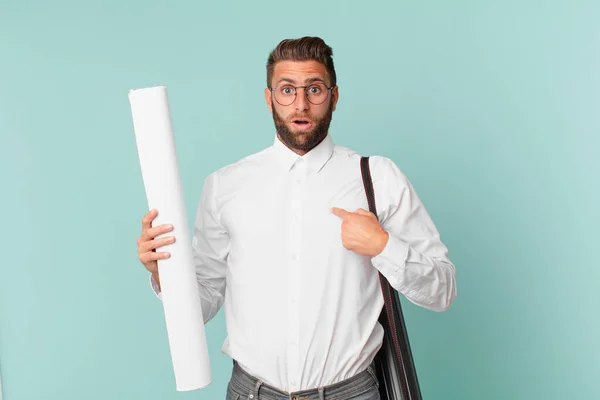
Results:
[301, 123]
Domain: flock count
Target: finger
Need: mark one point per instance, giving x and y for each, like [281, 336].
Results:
[151, 245]
[148, 218]
[146, 258]
[361, 211]
[157, 230]
[340, 212]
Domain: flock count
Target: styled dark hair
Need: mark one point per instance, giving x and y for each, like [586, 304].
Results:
[307, 48]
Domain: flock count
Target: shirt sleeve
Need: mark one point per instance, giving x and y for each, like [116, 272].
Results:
[210, 247]
[414, 260]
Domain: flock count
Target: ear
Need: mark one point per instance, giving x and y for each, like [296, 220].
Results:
[335, 93]
[268, 100]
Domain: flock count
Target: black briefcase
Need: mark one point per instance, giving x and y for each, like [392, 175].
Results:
[394, 365]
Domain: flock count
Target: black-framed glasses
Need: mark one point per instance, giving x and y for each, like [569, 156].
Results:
[285, 93]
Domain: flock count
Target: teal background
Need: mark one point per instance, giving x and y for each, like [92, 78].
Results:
[492, 109]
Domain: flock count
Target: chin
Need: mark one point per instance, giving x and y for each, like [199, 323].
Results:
[303, 137]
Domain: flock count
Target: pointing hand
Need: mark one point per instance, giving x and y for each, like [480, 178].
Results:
[361, 232]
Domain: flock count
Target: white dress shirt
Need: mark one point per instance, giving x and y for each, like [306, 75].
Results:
[302, 311]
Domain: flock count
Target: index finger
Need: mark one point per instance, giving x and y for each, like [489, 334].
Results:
[340, 212]
[148, 218]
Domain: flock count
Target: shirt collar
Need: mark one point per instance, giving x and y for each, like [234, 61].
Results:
[315, 159]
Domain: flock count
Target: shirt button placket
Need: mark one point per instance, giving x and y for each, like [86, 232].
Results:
[299, 172]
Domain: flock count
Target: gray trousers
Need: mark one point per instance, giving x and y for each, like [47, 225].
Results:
[243, 386]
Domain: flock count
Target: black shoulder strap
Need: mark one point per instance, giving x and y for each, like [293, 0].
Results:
[394, 364]
[368, 183]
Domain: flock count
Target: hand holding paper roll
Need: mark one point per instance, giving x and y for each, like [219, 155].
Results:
[148, 244]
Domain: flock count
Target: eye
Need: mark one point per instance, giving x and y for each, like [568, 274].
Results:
[287, 90]
[315, 89]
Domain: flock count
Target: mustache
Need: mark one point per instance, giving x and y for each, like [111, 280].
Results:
[292, 117]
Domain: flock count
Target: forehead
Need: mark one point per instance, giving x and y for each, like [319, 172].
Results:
[299, 71]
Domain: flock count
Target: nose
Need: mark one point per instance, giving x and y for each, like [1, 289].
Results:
[301, 103]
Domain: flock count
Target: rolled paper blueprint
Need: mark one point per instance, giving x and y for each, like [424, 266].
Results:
[179, 289]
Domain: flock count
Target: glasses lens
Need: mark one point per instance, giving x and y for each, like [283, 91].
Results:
[285, 94]
[316, 93]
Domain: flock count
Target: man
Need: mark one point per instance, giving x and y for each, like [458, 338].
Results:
[283, 240]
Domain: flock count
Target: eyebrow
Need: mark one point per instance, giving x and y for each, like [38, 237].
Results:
[307, 81]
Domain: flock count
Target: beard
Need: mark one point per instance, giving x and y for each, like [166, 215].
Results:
[302, 140]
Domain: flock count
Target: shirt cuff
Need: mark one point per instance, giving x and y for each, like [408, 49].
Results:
[391, 259]
[155, 287]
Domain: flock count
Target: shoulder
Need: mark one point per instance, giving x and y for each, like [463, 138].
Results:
[253, 160]
[233, 173]
[382, 168]
[385, 168]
